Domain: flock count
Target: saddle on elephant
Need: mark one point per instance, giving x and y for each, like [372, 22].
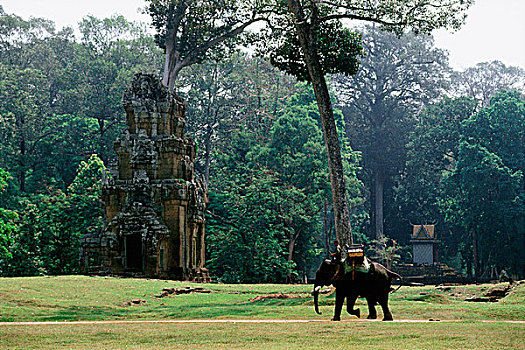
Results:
[355, 260]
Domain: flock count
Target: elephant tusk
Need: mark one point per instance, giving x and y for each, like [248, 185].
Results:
[315, 293]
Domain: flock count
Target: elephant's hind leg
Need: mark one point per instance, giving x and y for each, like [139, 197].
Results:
[387, 315]
[372, 314]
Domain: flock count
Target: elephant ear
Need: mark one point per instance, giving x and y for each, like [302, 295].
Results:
[372, 266]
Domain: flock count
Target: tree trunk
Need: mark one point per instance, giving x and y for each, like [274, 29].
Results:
[378, 205]
[475, 255]
[171, 66]
[326, 231]
[335, 163]
[371, 210]
[168, 63]
[469, 268]
[291, 246]
[207, 154]
[22, 164]
[170, 73]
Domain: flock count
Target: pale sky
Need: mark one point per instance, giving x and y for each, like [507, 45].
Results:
[495, 29]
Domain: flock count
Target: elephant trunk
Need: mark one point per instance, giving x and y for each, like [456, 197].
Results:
[315, 293]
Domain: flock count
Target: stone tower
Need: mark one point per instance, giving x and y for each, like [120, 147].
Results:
[154, 205]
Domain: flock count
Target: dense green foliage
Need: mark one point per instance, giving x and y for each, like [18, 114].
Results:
[466, 172]
[266, 222]
[338, 48]
[431, 154]
[7, 221]
[484, 193]
[61, 98]
[60, 102]
[307, 40]
[47, 240]
[261, 150]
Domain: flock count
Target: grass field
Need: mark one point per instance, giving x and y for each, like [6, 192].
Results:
[79, 298]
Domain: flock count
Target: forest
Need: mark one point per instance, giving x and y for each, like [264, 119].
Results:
[420, 142]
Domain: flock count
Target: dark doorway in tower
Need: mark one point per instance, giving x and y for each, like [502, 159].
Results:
[134, 252]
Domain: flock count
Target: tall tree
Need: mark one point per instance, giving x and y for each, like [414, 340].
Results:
[309, 17]
[191, 31]
[22, 105]
[337, 48]
[323, 51]
[432, 154]
[295, 156]
[485, 190]
[58, 90]
[397, 77]
[485, 79]
[222, 95]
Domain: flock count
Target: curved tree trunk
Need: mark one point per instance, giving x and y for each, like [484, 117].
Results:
[335, 163]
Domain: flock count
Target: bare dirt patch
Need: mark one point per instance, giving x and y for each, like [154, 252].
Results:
[275, 296]
[494, 294]
[185, 290]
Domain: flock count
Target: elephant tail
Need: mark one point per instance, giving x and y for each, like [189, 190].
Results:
[394, 275]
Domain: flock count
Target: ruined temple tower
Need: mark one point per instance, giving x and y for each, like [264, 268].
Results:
[154, 205]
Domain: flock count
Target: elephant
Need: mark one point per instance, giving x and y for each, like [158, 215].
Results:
[375, 286]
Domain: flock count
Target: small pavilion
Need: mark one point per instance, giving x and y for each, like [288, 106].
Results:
[424, 244]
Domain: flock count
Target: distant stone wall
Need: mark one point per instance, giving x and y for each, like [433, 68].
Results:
[429, 273]
[155, 207]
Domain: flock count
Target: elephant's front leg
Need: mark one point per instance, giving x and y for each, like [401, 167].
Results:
[350, 302]
[372, 314]
[339, 301]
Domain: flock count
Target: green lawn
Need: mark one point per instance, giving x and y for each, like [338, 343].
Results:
[74, 298]
[326, 335]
